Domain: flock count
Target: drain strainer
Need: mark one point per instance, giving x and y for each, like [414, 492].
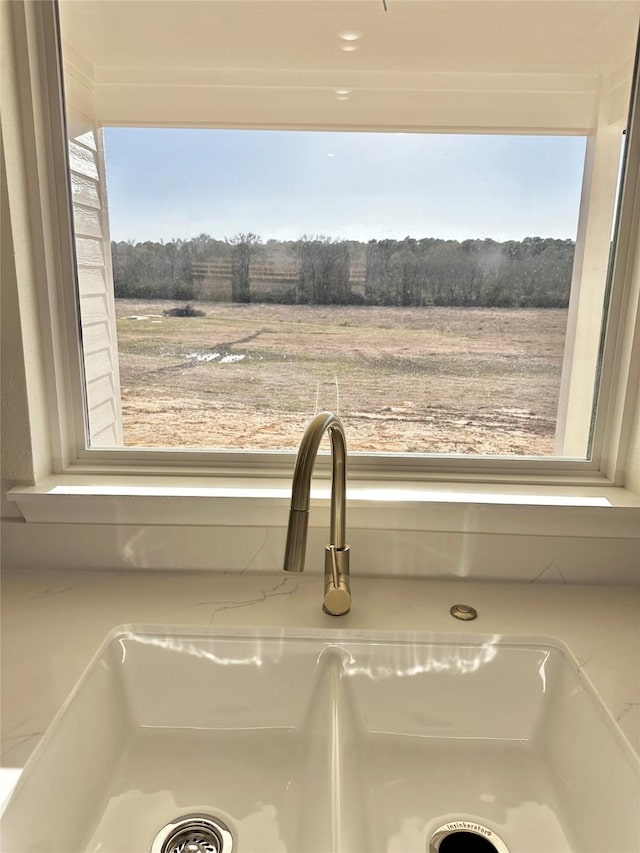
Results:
[465, 836]
[195, 833]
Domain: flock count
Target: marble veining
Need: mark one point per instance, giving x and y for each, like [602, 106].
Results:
[218, 607]
[552, 569]
[12, 742]
[628, 706]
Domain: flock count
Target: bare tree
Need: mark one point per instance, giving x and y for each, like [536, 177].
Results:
[243, 246]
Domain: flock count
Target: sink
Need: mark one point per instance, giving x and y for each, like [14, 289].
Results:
[329, 741]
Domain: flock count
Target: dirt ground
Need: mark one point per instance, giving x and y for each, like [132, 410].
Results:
[425, 380]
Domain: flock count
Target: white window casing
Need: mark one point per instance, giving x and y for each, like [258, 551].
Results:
[591, 268]
[592, 104]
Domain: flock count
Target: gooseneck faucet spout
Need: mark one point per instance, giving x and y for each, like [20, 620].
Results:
[337, 584]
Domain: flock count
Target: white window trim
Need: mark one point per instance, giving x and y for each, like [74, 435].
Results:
[34, 132]
[590, 272]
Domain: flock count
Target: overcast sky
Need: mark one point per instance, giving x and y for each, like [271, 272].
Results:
[168, 183]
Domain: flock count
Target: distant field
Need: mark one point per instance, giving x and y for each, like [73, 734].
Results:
[427, 380]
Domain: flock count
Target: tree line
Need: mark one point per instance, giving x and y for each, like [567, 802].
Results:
[316, 270]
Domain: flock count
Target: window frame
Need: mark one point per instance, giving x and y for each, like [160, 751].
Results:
[35, 29]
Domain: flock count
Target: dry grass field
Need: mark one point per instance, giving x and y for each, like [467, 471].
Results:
[426, 380]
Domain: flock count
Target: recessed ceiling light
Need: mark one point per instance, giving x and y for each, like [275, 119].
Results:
[350, 35]
[348, 48]
[344, 92]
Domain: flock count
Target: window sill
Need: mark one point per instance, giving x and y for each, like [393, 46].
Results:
[585, 511]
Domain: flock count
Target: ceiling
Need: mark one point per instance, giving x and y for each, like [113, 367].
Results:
[481, 65]
[542, 36]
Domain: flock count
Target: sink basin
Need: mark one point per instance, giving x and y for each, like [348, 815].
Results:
[329, 741]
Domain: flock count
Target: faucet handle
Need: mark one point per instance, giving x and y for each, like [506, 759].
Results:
[337, 601]
[337, 583]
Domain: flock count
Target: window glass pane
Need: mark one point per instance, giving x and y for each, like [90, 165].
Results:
[326, 206]
[417, 283]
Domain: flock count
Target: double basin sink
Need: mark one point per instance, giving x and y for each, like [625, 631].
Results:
[332, 742]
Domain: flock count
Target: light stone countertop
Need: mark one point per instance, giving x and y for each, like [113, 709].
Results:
[53, 622]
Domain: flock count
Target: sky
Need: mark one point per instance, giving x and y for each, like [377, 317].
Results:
[177, 183]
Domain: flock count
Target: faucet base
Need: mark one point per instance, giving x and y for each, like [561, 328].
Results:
[337, 583]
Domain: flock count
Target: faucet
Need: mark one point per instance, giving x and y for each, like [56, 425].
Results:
[337, 584]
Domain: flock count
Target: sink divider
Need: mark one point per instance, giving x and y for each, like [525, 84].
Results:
[333, 812]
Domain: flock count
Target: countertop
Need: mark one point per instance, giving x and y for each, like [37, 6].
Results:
[53, 622]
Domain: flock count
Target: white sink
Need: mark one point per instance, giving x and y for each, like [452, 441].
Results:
[329, 741]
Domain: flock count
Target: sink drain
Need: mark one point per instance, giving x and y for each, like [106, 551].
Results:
[464, 836]
[195, 833]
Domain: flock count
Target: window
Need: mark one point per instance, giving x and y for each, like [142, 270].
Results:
[466, 320]
[389, 276]
[565, 89]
